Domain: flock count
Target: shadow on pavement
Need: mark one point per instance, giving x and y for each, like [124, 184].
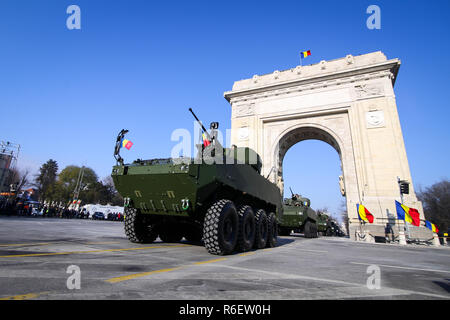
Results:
[444, 285]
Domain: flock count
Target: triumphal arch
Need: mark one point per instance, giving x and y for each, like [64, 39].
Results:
[348, 103]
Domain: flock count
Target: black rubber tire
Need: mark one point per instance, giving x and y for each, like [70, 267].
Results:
[316, 232]
[170, 233]
[247, 228]
[136, 229]
[272, 236]
[262, 227]
[307, 229]
[221, 227]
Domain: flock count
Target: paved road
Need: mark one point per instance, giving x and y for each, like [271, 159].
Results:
[35, 254]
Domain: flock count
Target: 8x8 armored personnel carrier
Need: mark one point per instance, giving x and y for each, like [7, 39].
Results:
[298, 216]
[219, 197]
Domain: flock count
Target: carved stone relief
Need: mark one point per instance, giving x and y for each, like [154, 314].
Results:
[368, 90]
[244, 110]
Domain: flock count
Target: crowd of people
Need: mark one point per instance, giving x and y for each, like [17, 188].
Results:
[46, 210]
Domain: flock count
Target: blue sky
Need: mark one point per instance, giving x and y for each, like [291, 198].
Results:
[65, 94]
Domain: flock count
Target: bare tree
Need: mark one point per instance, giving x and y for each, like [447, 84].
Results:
[323, 210]
[19, 179]
[436, 203]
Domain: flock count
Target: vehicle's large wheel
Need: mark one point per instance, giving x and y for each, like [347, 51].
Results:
[170, 233]
[221, 227]
[315, 230]
[307, 230]
[272, 231]
[246, 236]
[261, 229]
[136, 229]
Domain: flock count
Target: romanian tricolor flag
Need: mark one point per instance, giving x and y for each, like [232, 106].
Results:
[305, 54]
[206, 142]
[431, 226]
[127, 144]
[407, 214]
[364, 214]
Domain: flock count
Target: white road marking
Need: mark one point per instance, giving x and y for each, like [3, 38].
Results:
[399, 267]
[384, 290]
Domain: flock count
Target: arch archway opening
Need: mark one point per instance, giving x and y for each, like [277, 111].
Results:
[309, 161]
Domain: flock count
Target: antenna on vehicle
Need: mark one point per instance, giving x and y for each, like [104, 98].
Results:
[119, 139]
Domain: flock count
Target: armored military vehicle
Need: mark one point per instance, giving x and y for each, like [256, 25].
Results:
[333, 229]
[327, 226]
[322, 223]
[298, 217]
[219, 197]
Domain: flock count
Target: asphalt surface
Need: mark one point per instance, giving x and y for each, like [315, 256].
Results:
[35, 254]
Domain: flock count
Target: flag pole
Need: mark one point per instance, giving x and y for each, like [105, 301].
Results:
[401, 201]
[362, 229]
[361, 222]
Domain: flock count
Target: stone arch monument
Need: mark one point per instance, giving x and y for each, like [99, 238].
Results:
[348, 103]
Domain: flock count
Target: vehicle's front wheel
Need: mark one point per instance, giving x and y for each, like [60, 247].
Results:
[315, 231]
[220, 228]
[307, 230]
[137, 229]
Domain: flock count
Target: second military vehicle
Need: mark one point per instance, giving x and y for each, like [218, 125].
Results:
[219, 197]
[328, 226]
[298, 217]
[333, 229]
[322, 223]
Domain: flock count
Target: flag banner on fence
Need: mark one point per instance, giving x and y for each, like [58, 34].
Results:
[127, 144]
[407, 214]
[431, 226]
[305, 54]
[364, 214]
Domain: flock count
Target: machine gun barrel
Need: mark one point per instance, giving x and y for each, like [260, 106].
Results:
[200, 123]
[291, 191]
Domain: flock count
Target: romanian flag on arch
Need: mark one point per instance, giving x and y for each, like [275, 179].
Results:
[305, 54]
[431, 226]
[407, 214]
[364, 214]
